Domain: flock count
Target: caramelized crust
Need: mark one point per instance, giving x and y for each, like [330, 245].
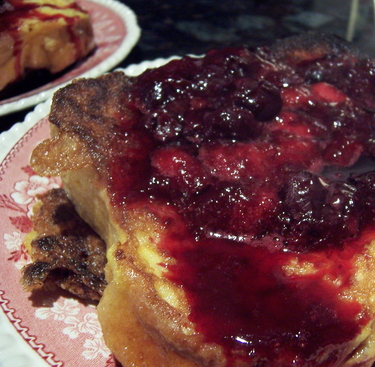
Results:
[89, 112]
[65, 251]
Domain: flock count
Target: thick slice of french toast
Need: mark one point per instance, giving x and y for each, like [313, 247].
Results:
[235, 194]
[41, 34]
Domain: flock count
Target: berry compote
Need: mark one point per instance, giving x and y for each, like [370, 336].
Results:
[260, 164]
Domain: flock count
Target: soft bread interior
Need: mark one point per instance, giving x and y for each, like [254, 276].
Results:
[157, 311]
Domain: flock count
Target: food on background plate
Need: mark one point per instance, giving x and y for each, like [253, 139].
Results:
[41, 35]
[235, 194]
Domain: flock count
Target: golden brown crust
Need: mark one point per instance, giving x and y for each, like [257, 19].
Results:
[89, 111]
[312, 46]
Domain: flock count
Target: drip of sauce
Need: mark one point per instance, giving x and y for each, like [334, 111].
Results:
[233, 153]
[13, 12]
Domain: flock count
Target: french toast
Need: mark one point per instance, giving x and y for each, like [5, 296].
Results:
[41, 34]
[235, 194]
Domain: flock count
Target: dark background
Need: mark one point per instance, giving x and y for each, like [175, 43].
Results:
[172, 27]
[196, 26]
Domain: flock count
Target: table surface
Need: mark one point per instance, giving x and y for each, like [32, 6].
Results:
[182, 27]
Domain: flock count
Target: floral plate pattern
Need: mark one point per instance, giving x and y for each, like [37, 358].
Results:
[39, 330]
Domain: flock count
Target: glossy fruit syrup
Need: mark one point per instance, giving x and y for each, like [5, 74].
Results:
[261, 172]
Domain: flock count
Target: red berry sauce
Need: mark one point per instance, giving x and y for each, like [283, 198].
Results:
[252, 163]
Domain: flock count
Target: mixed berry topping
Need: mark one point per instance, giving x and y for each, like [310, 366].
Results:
[265, 159]
[236, 134]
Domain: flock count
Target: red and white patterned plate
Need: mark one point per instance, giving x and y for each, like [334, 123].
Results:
[115, 31]
[38, 331]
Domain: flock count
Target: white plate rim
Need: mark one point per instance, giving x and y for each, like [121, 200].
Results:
[14, 350]
[133, 33]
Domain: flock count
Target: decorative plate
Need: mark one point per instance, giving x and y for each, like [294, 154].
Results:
[39, 331]
[115, 31]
